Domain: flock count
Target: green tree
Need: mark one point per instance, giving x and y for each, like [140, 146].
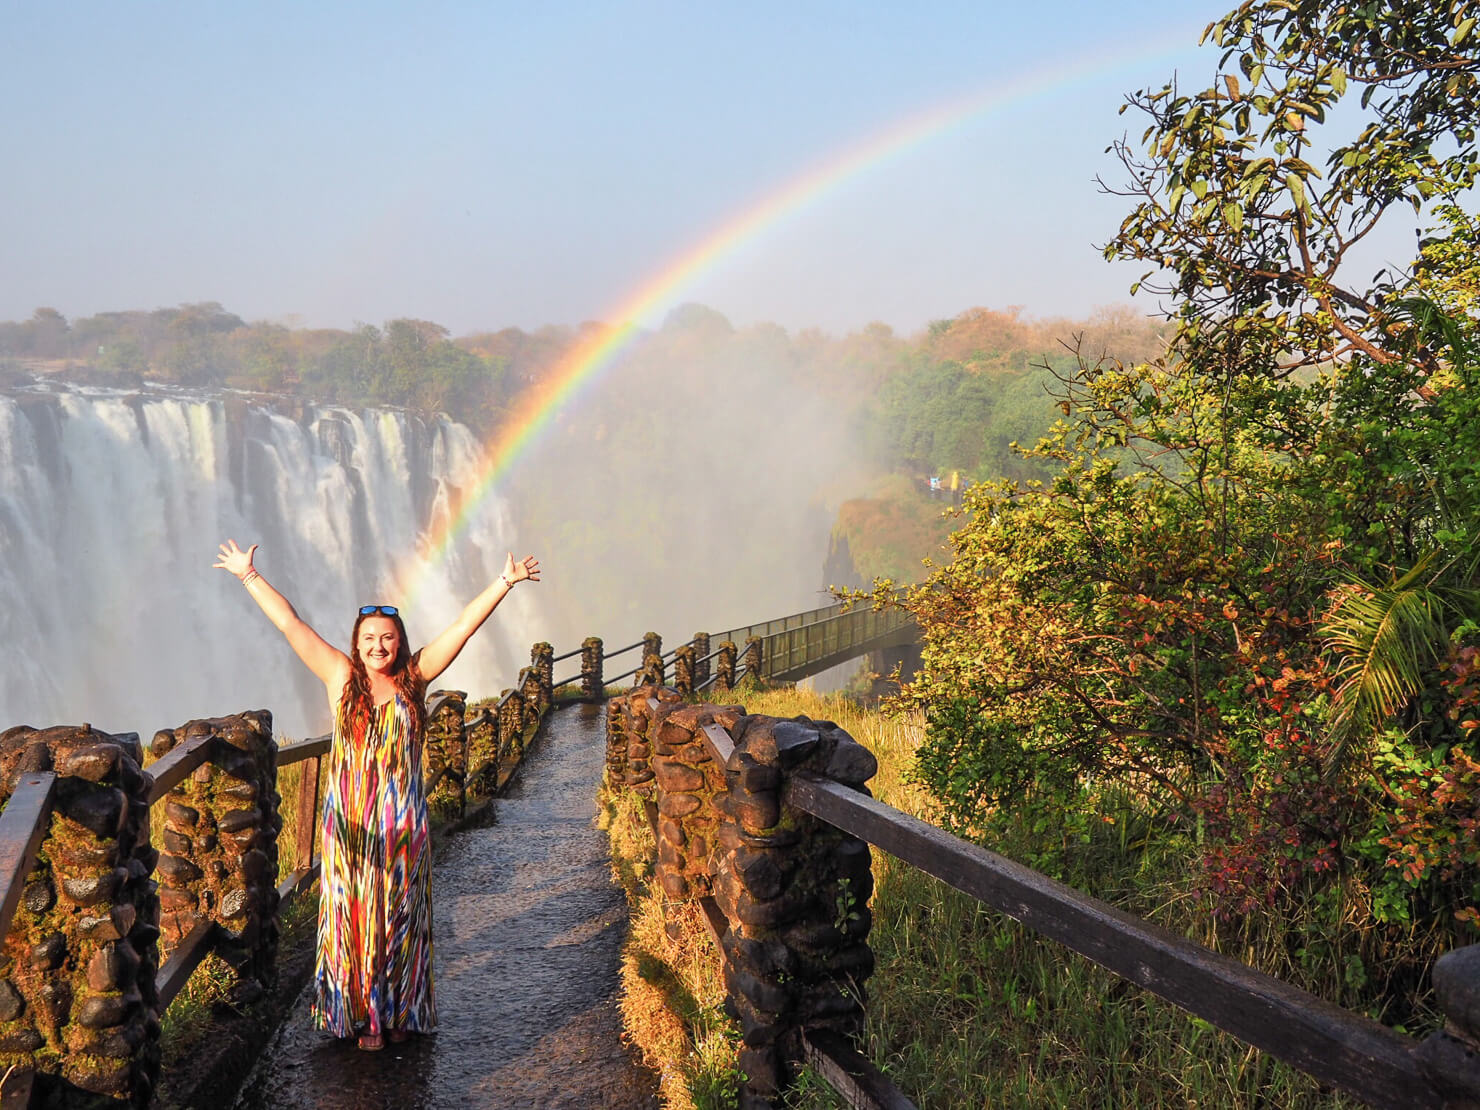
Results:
[1246, 231]
[1236, 596]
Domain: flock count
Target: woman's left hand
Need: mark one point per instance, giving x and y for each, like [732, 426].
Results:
[525, 569]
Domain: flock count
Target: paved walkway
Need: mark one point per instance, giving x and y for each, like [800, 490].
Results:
[528, 927]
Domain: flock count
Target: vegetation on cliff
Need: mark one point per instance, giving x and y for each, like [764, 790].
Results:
[1241, 610]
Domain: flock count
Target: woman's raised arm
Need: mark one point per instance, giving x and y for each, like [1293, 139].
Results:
[326, 661]
[438, 655]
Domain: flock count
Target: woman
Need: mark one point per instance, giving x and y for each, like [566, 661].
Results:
[373, 973]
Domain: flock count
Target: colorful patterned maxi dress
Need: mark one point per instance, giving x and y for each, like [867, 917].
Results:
[374, 966]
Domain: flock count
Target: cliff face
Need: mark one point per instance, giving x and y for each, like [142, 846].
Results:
[112, 505]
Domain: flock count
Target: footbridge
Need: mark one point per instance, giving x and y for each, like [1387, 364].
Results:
[120, 875]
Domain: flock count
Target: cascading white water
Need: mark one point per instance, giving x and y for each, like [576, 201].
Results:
[111, 510]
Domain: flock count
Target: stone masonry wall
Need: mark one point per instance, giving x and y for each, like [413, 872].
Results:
[218, 858]
[77, 981]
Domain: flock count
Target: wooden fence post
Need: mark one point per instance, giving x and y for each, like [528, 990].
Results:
[306, 813]
[592, 687]
[78, 1000]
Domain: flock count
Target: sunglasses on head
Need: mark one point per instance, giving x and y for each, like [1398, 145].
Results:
[383, 610]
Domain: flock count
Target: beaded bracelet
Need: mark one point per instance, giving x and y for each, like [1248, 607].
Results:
[250, 577]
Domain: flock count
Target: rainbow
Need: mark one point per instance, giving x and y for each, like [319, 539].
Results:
[599, 352]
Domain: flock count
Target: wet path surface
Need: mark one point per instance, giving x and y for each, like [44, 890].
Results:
[528, 927]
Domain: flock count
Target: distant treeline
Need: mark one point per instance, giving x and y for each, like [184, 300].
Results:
[951, 398]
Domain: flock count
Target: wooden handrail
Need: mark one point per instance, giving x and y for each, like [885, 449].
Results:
[175, 972]
[170, 770]
[851, 1073]
[23, 825]
[1340, 1048]
[289, 754]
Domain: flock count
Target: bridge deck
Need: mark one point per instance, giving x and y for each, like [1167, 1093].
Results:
[527, 930]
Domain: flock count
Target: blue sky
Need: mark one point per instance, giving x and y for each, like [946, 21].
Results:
[488, 165]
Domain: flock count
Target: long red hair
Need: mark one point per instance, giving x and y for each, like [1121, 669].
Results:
[356, 703]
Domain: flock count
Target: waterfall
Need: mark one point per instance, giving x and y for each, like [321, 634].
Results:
[112, 507]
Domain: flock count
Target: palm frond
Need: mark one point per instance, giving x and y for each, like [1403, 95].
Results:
[1387, 640]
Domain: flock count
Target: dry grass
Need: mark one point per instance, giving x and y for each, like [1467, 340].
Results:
[671, 988]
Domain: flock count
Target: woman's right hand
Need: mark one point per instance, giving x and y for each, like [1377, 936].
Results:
[234, 559]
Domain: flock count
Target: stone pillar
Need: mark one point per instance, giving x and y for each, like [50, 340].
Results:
[683, 669]
[446, 746]
[219, 860]
[542, 662]
[533, 691]
[616, 743]
[753, 658]
[636, 725]
[652, 673]
[795, 891]
[77, 969]
[701, 660]
[725, 666]
[511, 722]
[592, 686]
[1451, 1057]
[688, 781]
[483, 743]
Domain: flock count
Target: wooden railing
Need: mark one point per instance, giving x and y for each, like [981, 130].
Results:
[761, 790]
[785, 649]
[26, 819]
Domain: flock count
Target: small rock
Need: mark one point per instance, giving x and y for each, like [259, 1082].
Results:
[234, 903]
[177, 900]
[851, 763]
[21, 1040]
[177, 870]
[254, 865]
[89, 890]
[100, 810]
[11, 1003]
[237, 820]
[38, 897]
[102, 1011]
[49, 953]
[175, 843]
[674, 777]
[182, 814]
[107, 968]
[94, 763]
[678, 805]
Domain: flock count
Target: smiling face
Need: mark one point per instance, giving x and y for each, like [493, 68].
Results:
[377, 642]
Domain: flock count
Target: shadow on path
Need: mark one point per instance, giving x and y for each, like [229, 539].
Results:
[527, 928]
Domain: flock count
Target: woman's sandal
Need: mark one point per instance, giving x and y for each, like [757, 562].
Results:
[369, 1042]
